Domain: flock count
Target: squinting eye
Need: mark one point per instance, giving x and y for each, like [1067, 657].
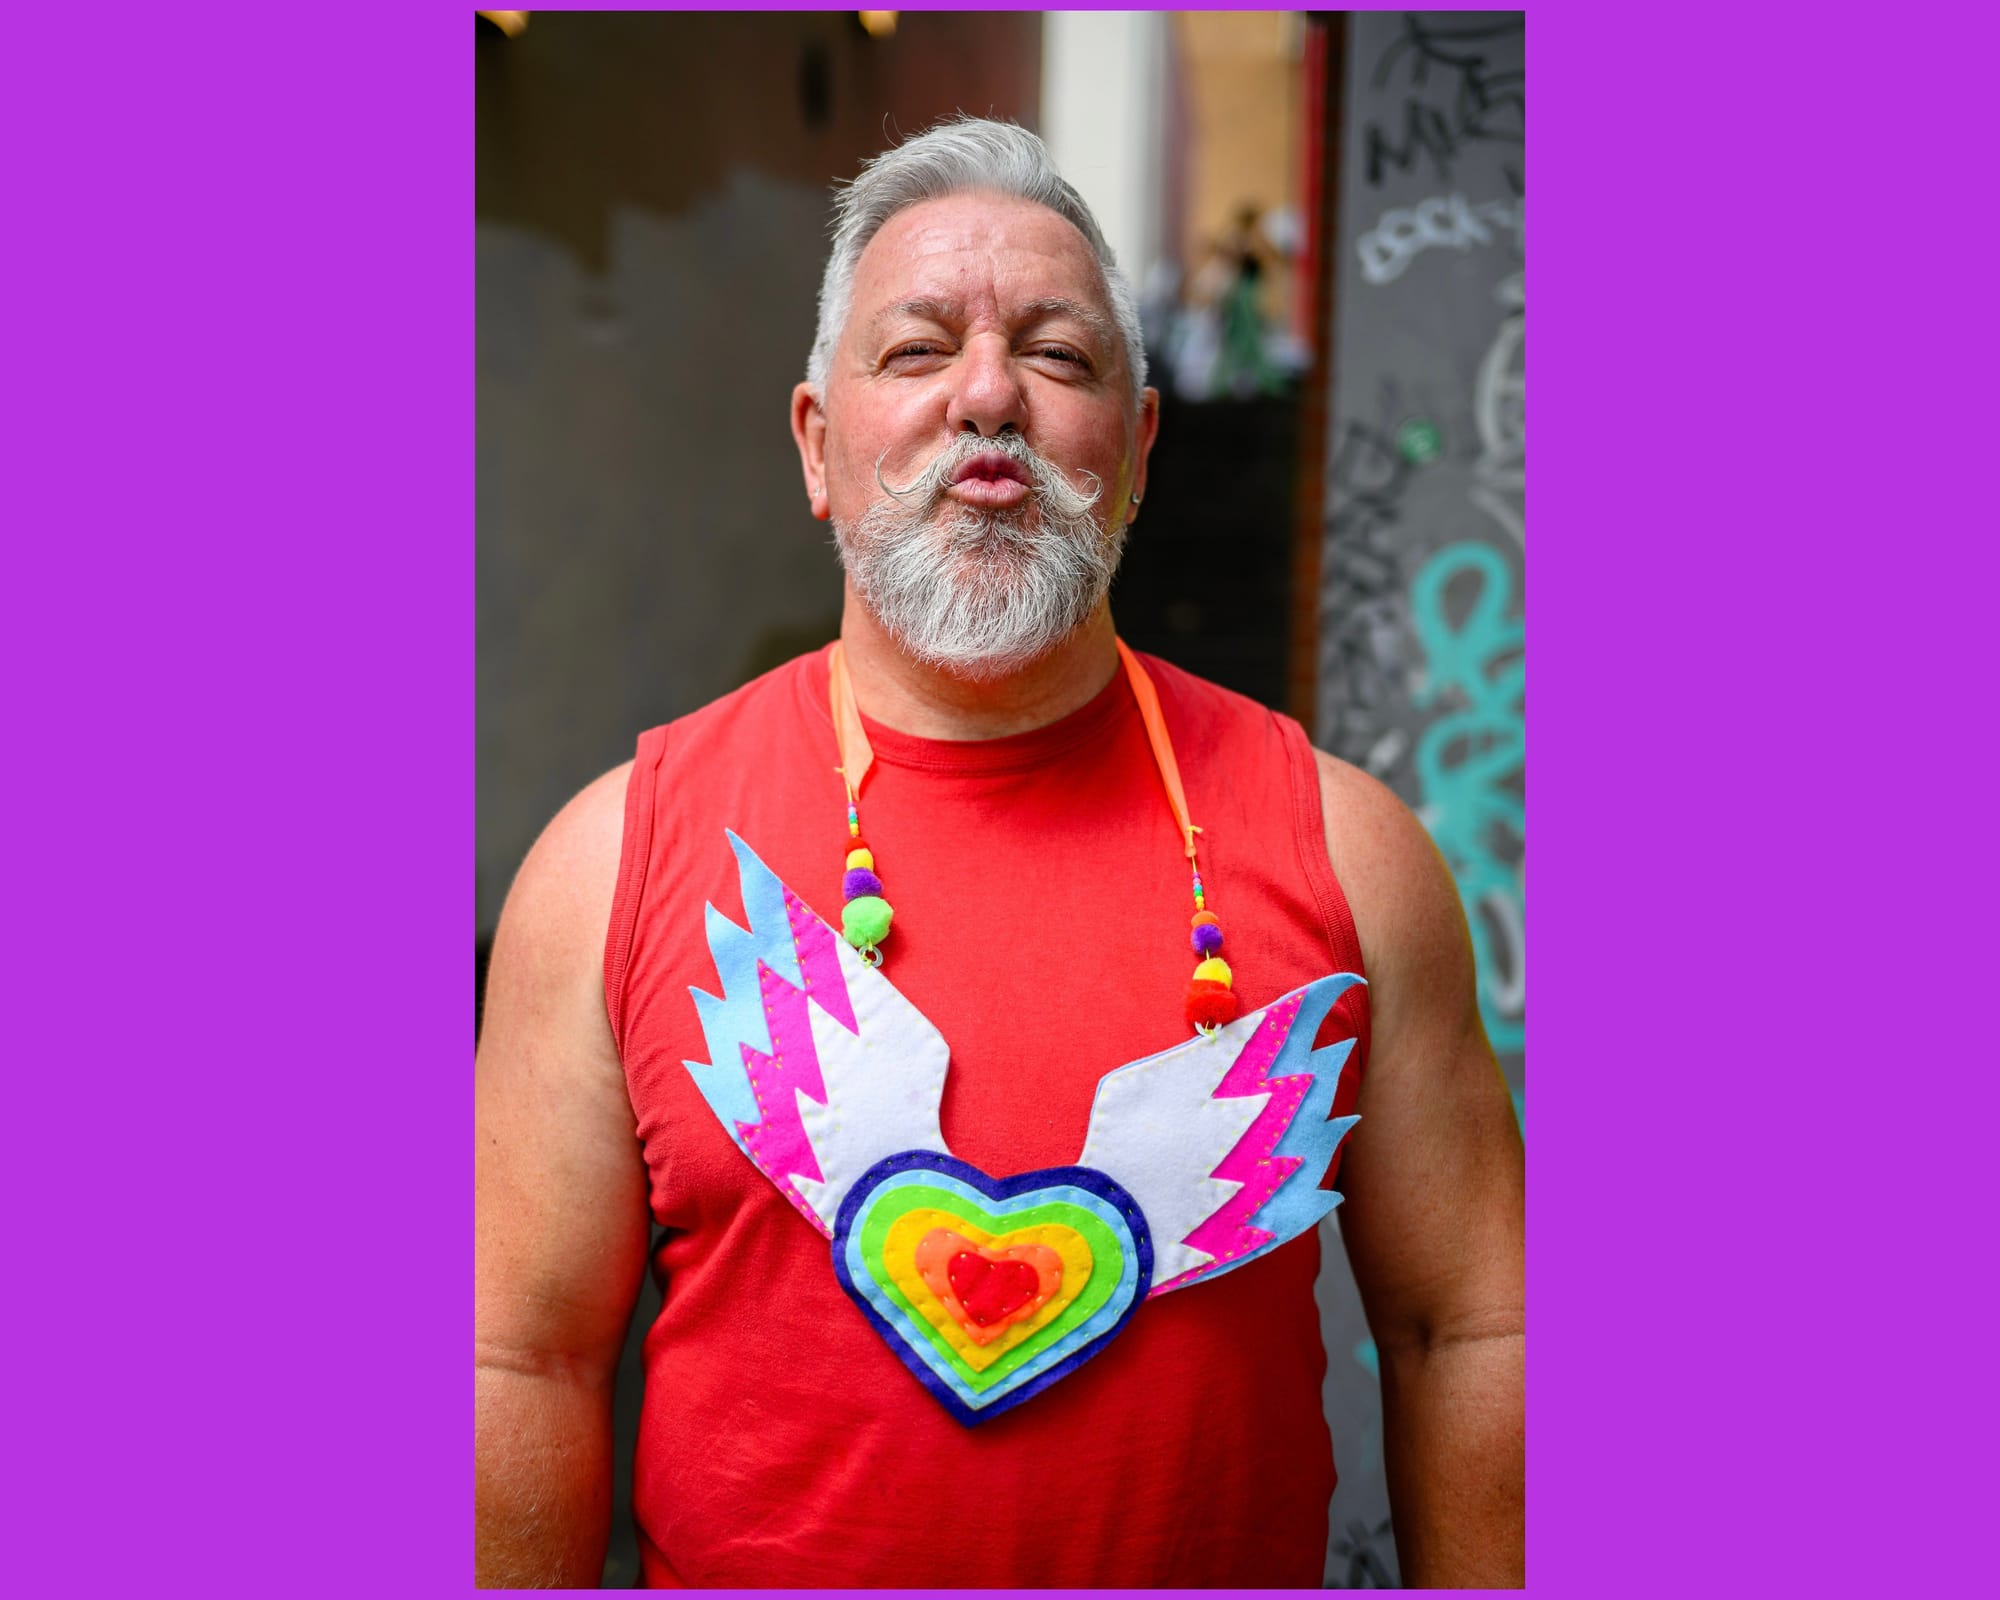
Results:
[911, 350]
[1059, 353]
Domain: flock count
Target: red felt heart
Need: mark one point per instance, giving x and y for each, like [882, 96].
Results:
[991, 1290]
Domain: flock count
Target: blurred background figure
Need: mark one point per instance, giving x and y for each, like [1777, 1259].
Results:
[1322, 217]
[1227, 346]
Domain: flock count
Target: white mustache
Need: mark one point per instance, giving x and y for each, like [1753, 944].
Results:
[1045, 479]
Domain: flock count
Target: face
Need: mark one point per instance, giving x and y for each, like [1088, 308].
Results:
[979, 326]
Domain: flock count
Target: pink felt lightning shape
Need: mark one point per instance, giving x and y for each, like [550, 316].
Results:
[778, 1143]
[819, 962]
[1229, 1234]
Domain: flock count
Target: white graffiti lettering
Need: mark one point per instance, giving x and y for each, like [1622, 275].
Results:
[1443, 222]
[1499, 417]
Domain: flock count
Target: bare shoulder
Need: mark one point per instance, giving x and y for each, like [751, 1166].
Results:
[1432, 1177]
[548, 951]
[561, 1186]
[1405, 904]
[572, 869]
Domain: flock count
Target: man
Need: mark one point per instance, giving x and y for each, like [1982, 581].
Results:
[976, 425]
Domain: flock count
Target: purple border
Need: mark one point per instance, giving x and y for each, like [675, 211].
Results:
[239, 619]
[997, 1189]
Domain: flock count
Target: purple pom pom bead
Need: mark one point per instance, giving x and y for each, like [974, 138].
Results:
[859, 881]
[1207, 939]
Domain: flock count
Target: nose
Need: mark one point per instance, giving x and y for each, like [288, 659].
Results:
[987, 399]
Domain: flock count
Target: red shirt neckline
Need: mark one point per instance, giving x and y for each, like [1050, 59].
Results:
[1014, 752]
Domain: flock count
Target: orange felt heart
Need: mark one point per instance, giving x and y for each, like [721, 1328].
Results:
[987, 1290]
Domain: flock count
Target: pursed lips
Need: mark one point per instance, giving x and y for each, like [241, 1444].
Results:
[991, 478]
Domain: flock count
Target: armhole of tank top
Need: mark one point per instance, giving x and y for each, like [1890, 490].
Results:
[634, 851]
[1309, 825]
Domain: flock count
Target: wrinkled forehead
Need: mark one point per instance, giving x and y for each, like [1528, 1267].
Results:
[981, 252]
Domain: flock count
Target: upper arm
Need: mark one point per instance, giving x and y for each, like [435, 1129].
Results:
[561, 1184]
[1432, 1175]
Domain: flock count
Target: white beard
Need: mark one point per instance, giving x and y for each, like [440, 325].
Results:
[977, 592]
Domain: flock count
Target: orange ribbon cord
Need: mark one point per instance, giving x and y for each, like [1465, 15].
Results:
[856, 754]
[1163, 745]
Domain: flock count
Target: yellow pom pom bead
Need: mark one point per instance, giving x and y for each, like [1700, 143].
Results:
[861, 858]
[1214, 970]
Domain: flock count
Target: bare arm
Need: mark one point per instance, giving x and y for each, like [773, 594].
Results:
[562, 1229]
[1433, 1216]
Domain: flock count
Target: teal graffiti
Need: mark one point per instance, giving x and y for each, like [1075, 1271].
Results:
[1468, 759]
[1366, 1356]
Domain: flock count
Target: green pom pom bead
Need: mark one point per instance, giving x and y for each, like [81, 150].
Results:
[864, 920]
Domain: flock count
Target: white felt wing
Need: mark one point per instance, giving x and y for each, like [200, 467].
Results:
[1224, 1141]
[816, 1067]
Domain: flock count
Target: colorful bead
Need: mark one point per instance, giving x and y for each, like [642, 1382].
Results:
[865, 921]
[1201, 917]
[860, 881]
[1207, 939]
[1210, 1005]
[1213, 970]
[861, 856]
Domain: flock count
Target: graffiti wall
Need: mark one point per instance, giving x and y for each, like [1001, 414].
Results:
[1421, 668]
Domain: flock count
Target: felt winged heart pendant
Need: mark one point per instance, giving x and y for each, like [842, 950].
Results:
[991, 1289]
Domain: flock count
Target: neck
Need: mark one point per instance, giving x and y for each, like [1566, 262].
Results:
[912, 698]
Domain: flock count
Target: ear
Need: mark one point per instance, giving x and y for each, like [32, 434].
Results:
[1147, 431]
[809, 434]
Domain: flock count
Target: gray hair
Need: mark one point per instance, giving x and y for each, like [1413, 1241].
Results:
[957, 155]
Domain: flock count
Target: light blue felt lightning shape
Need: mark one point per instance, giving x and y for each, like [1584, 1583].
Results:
[1314, 1135]
[737, 1017]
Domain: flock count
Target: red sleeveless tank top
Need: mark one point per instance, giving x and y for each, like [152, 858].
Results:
[1041, 904]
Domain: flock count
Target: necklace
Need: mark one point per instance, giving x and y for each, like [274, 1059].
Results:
[865, 915]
